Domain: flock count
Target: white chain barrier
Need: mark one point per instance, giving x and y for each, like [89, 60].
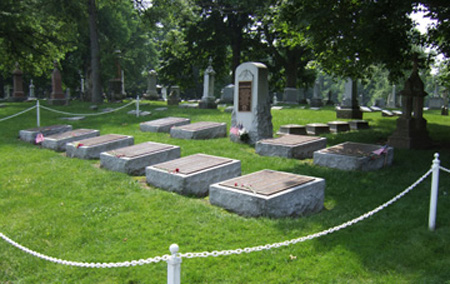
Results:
[87, 114]
[17, 114]
[444, 169]
[216, 253]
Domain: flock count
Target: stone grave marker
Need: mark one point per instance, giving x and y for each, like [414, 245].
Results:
[18, 93]
[349, 107]
[251, 112]
[151, 93]
[132, 160]
[199, 130]
[192, 175]
[163, 124]
[58, 141]
[316, 100]
[294, 129]
[290, 146]
[174, 96]
[317, 128]
[29, 135]
[227, 94]
[208, 100]
[338, 126]
[270, 193]
[91, 148]
[351, 156]
[291, 96]
[57, 96]
[358, 124]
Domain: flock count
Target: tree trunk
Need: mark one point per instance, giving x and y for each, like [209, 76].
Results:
[291, 68]
[96, 92]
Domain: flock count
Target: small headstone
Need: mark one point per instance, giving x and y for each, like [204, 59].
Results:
[270, 193]
[163, 124]
[192, 175]
[291, 96]
[358, 124]
[290, 146]
[276, 108]
[387, 113]
[29, 135]
[251, 111]
[174, 96]
[376, 108]
[94, 107]
[151, 93]
[227, 94]
[338, 126]
[58, 141]
[91, 148]
[355, 156]
[365, 109]
[317, 128]
[293, 129]
[199, 130]
[397, 112]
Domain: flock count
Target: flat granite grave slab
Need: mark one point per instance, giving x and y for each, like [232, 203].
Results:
[58, 141]
[163, 124]
[92, 147]
[317, 128]
[294, 129]
[199, 130]
[291, 146]
[351, 156]
[270, 193]
[338, 126]
[132, 160]
[358, 124]
[193, 174]
[29, 135]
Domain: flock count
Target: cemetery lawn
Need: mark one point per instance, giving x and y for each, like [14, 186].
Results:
[73, 210]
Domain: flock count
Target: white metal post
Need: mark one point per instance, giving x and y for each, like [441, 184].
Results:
[434, 192]
[38, 114]
[137, 106]
[174, 266]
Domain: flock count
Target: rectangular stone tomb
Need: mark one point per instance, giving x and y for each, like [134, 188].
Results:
[338, 126]
[200, 130]
[163, 124]
[29, 135]
[132, 160]
[292, 129]
[193, 174]
[58, 141]
[291, 146]
[317, 128]
[355, 156]
[92, 147]
[358, 124]
[270, 193]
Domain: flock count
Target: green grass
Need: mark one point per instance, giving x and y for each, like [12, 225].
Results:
[73, 210]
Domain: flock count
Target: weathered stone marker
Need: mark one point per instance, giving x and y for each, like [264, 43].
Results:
[151, 93]
[163, 124]
[132, 160]
[208, 98]
[199, 130]
[291, 146]
[252, 103]
[350, 107]
[270, 193]
[58, 141]
[57, 96]
[29, 135]
[18, 93]
[355, 156]
[193, 174]
[92, 147]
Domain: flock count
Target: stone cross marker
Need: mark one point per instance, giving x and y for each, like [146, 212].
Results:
[350, 107]
[251, 119]
[18, 93]
[57, 96]
[411, 132]
[151, 93]
[208, 99]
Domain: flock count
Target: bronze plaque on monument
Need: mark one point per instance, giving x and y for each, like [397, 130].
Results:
[245, 96]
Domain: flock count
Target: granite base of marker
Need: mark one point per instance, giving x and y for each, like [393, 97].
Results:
[29, 135]
[163, 124]
[132, 160]
[200, 130]
[298, 200]
[57, 142]
[291, 146]
[351, 156]
[173, 176]
[92, 147]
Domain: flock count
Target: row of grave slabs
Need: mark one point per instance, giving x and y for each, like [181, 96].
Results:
[264, 193]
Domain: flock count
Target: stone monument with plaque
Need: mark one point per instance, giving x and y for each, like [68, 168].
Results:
[350, 107]
[57, 97]
[251, 116]
[18, 93]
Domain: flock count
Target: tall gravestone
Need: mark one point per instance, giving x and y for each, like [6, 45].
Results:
[57, 96]
[391, 103]
[227, 94]
[208, 99]
[116, 89]
[349, 106]
[18, 93]
[316, 100]
[411, 131]
[151, 93]
[251, 116]
[291, 96]
[31, 95]
[174, 96]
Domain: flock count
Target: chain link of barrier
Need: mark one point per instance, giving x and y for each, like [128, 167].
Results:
[17, 114]
[444, 169]
[216, 253]
[87, 114]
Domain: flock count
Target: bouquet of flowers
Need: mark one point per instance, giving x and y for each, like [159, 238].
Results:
[240, 132]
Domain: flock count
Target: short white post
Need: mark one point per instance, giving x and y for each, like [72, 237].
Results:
[173, 266]
[434, 192]
[38, 114]
[137, 106]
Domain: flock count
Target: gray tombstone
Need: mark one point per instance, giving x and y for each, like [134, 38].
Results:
[316, 100]
[227, 94]
[291, 96]
[151, 93]
[349, 107]
[57, 96]
[31, 95]
[18, 93]
[391, 103]
[208, 99]
[174, 96]
[251, 118]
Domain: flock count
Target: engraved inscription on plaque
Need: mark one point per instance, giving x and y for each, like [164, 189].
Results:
[245, 96]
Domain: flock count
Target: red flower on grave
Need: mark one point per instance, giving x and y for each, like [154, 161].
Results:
[79, 145]
[235, 184]
[177, 170]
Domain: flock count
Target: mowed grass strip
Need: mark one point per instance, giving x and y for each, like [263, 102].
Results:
[74, 210]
